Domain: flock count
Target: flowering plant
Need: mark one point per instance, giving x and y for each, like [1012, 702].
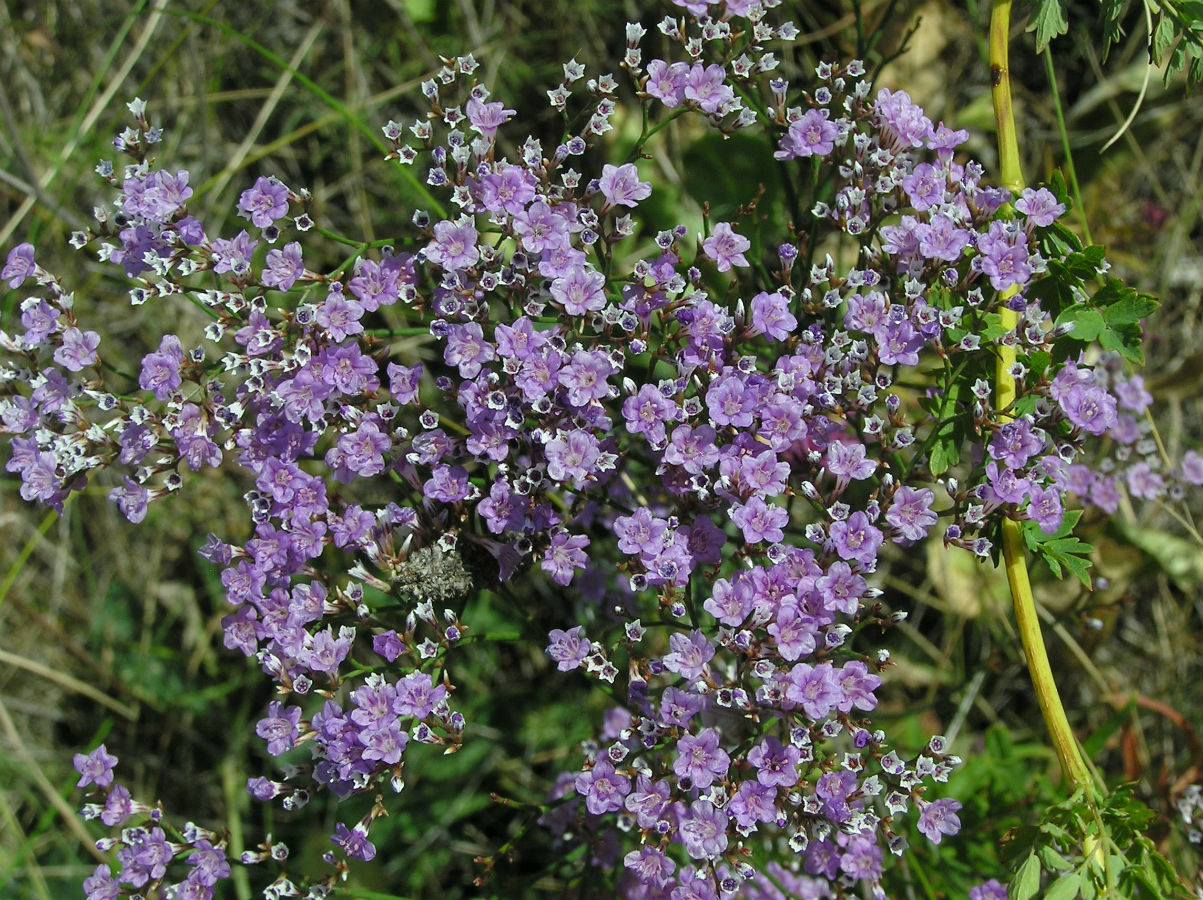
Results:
[700, 449]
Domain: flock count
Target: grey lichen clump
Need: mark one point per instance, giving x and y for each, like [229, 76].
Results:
[436, 574]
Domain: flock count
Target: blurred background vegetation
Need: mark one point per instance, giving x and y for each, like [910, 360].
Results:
[112, 632]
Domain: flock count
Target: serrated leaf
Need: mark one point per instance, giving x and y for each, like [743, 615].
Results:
[1051, 21]
[1088, 324]
[1065, 887]
[1130, 309]
[1026, 881]
[1078, 565]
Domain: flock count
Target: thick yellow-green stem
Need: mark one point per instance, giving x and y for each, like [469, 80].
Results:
[1064, 742]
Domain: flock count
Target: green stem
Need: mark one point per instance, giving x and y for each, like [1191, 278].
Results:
[1065, 148]
[1028, 623]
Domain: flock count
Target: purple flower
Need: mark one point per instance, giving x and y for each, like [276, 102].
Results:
[509, 189]
[565, 555]
[19, 265]
[776, 764]
[454, 246]
[1144, 482]
[131, 499]
[771, 316]
[726, 247]
[765, 473]
[857, 685]
[648, 864]
[468, 349]
[209, 864]
[814, 688]
[753, 802]
[541, 228]
[620, 185]
[924, 186]
[323, 652]
[666, 82]
[648, 801]
[939, 818]
[603, 788]
[279, 727]
[1045, 509]
[95, 767]
[486, 118]
[1089, 407]
[161, 369]
[730, 402]
[387, 645]
[1192, 467]
[584, 377]
[899, 345]
[144, 857]
[648, 412]
[1015, 443]
[353, 842]
[812, 135]
[703, 829]
[943, 239]
[101, 885]
[233, 255]
[264, 202]
[902, 121]
[700, 758]
[572, 456]
[39, 320]
[447, 484]
[856, 538]
[677, 707]
[283, 267]
[568, 648]
[1003, 256]
[760, 521]
[688, 654]
[910, 512]
[989, 890]
[841, 588]
[847, 462]
[1040, 206]
[580, 290]
[78, 350]
[707, 86]
[417, 695]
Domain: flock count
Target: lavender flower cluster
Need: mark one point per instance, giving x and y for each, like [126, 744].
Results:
[715, 443]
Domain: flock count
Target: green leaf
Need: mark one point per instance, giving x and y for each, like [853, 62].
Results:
[1038, 362]
[1065, 887]
[1050, 22]
[1053, 861]
[1130, 309]
[1074, 555]
[1026, 881]
[1088, 324]
[1163, 37]
[1057, 185]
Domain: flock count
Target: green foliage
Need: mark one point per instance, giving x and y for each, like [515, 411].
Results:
[1112, 318]
[1086, 847]
[1175, 40]
[1051, 20]
[1061, 549]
